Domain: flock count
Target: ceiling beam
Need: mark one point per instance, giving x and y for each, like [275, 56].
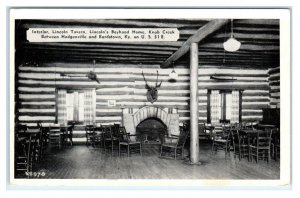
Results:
[201, 33]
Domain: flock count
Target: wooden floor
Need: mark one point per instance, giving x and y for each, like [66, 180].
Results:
[92, 163]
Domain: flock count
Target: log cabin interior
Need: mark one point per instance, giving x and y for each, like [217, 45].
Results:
[184, 109]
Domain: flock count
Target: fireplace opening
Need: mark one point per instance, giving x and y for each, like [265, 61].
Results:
[151, 131]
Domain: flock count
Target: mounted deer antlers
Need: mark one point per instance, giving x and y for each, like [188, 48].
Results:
[152, 93]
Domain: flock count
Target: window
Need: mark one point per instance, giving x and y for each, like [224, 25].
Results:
[76, 105]
[224, 106]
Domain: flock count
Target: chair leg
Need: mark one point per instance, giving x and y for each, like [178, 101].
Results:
[128, 151]
[119, 150]
[141, 149]
[175, 153]
[257, 157]
[160, 150]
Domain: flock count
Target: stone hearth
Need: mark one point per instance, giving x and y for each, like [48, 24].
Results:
[133, 117]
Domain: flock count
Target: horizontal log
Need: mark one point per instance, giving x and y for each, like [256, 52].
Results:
[274, 78]
[200, 119]
[107, 114]
[275, 90]
[37, 106]
[187, 114]
[34, 114]
[37, 110]
[36, 100]
[275, 97]
[36, 118]
[254, 106]
[274, 71]
[256, 100]
[255, 94]
[251, 114]
[31, 92]
[128, 69]
[275, 83]
[255, 119]
[34, 123]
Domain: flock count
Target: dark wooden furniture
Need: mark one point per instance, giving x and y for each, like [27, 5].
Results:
[271, 117]
[221, 140]
[276, 144]
[260, 146]
[67, 134]
[111, 142]
[98, 136]
[174, 145]
[27, 150]
[89, 134]
[55, 140]
[126, 140]
[204, 133]
[240, 144]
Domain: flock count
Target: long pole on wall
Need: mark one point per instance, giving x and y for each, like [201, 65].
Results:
[194, 134]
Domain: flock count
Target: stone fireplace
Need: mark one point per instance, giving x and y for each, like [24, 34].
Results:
[165, 119]
[151, 131]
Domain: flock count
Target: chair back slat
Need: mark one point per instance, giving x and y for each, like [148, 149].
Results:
[182, 137]
[123, 136]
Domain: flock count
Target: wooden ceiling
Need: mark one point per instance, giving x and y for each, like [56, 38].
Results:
[259, 38]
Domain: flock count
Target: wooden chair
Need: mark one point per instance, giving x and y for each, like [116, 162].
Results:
[21, 151]
[98, 136]
[261, 146]
[203, 134]
[276, 144]
[132, 146]
[89, 134]
[240, 144]
[221, 140]
[111, 142]
[67, 135]
[174, 144]
[35, 145]
[55, 140]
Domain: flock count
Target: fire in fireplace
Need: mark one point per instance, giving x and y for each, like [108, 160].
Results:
[151, 131]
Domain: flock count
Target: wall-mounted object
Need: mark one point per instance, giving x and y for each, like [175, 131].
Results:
[111, 103]
[152, 93]
[90, 75]
[223, 78]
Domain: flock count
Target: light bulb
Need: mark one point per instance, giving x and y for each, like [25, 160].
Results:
[173, 75]
[232, 45]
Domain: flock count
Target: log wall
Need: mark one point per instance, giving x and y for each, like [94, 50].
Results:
[124, 83]
[274, 82]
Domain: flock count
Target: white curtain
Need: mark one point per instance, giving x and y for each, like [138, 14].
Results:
[61, 106]
[235, 107]
[215, 102]
[89, 106]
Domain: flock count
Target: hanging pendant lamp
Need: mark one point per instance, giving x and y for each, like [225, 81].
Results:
[232, 45]
[173, 75]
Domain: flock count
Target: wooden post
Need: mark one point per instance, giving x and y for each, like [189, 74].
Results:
[194, 145]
